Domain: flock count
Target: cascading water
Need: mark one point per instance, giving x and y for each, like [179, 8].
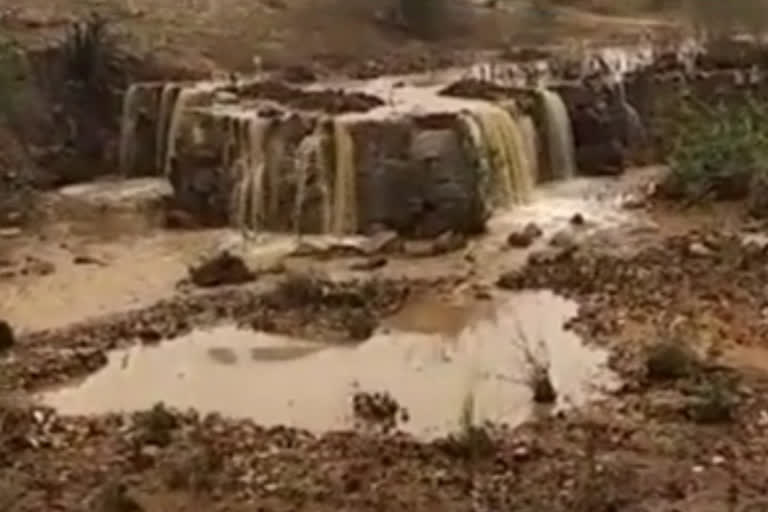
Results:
[185, 98]
[130, 115]
[248, 166]
[560, 146]
[168, 96]
[635, 134]
[498, 140]
[345, 215]
[310, 159]
[479, 150]
[531, 144]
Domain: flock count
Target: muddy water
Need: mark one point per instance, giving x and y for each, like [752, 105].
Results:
[428, 369]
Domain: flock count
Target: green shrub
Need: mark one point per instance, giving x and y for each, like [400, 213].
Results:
[716, 151]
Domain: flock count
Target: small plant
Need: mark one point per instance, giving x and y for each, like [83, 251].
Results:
[538, 378]
[473, 442]
[714, 401]
[670, 360]
[156, 426]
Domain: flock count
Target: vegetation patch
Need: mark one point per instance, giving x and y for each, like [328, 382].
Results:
[718, 151]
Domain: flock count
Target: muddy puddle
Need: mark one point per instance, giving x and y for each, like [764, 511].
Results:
[422, 357]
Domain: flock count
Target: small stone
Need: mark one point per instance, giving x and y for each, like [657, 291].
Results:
[699, 250]
[449, 242]
[577, 220]
[150, 451]
[525, 237]
[85, 259]
[633, 202]
[521, 453]
[718, 460]
[563, 240]
[697, 469]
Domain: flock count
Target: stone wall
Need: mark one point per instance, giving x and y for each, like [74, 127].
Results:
[415, 177]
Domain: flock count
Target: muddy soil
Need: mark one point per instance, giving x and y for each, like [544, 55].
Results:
[684, 429]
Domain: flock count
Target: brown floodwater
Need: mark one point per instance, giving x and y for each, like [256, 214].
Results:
[430, 371]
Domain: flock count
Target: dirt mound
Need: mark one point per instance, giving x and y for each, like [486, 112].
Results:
[223, 268]
[327, 100]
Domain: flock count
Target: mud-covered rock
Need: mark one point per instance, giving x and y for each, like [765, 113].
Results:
[7, 337]
[525, 237]
[223, 268]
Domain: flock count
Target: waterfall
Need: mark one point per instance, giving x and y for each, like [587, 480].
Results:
[501, 139]
[636, 133]
[247, 169]
[531, 144]
[167, 98]
[345, 215]
[275, 156]
[186, 97]
[256, 165]
[479, 149]
[562, 160]
[130, 117]
[309, 159]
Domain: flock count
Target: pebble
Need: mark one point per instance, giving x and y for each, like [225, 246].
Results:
[699, 250]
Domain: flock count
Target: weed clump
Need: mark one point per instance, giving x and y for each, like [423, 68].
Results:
[714, 401]
[472, 442]
[156, 426]
[669, 361]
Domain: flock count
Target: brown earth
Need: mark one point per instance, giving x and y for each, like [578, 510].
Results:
[687, 431]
